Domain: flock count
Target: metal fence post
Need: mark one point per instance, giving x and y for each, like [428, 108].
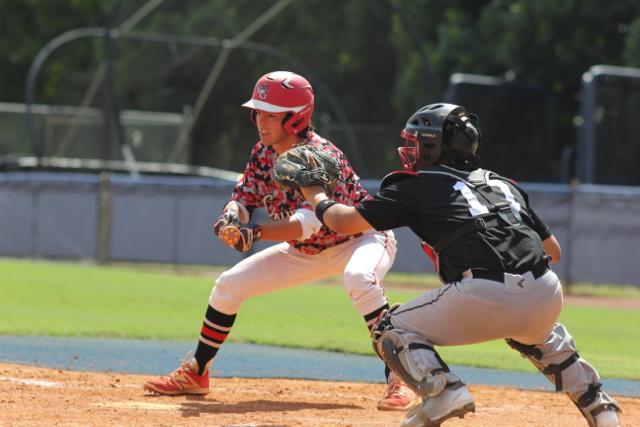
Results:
[104, 217]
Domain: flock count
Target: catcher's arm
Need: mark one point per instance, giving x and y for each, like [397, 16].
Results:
[314, 172]
[552, 248]
[340, 218]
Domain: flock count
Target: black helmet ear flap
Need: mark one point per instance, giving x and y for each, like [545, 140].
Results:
[461, 134]
[474, 121]
[467, 125]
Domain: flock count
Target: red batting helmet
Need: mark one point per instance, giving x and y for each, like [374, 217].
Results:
[284, 91]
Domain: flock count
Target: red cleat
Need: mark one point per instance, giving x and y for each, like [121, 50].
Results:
[184, 380]
[398, 396]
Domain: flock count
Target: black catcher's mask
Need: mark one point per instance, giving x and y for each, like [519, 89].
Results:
[439, 134]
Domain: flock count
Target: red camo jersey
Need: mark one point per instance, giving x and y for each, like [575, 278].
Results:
[256, 189]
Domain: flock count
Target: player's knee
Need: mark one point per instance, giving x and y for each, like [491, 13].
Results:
[225, 295]
[358, 279]
[364, 291]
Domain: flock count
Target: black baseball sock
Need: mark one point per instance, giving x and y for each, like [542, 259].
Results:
[371, 319]
[215, 329]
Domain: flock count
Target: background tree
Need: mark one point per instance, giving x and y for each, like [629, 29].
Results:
[381, 59]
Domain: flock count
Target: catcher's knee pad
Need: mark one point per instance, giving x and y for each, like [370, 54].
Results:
[569, 373]
[559, 361]
[414, 361]
[553, 371]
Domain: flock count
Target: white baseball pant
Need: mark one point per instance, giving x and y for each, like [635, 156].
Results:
[363, 262]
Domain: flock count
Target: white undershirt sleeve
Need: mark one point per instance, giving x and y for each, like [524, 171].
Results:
[308, 222]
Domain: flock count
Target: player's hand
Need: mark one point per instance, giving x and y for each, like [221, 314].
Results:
[227, 217]
[240, 236]
[233, 212]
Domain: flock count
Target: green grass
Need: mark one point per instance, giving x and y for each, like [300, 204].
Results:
[159, 302]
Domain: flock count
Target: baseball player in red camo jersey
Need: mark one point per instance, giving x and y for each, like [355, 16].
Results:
[281, 108]
[491, 251]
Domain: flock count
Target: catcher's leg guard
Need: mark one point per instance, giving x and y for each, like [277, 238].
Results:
[559, 361]
[411, 358]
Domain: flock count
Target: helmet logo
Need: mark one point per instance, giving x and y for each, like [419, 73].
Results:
[287, 83]
[262, 91]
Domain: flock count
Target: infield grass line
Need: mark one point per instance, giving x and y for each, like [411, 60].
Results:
[129, 301]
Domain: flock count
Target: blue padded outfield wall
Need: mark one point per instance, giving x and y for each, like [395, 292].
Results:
[167, 219]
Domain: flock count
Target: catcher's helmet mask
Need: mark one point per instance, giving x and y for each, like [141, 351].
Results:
[439, 133]
[284, 92]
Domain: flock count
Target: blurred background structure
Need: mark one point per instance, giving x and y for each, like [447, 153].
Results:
[154, 87]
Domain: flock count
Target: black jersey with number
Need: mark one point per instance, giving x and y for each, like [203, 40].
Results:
[437, 201]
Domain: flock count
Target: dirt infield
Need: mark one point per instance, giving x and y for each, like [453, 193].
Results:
[38, 396]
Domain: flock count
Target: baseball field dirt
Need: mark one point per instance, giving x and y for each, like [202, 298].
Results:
[34, 396]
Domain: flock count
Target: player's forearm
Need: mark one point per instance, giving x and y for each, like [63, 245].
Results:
[282, 230]
[340, 218]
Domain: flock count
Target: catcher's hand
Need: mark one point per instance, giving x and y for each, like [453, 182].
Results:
[305, 165]
[240, 236]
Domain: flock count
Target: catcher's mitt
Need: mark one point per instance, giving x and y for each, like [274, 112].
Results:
[305, 165]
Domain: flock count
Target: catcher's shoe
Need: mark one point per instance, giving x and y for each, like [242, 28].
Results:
[184, 380]
[398, 396]
[454, 401]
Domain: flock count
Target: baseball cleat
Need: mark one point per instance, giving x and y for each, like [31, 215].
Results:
[184, 380]
[454, 401]
[397, 397]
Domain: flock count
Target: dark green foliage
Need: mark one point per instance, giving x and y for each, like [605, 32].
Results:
[380, 59]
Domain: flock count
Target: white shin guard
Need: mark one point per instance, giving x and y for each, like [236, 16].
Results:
[559, 361]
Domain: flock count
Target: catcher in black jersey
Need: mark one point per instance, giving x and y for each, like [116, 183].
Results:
[491, 251]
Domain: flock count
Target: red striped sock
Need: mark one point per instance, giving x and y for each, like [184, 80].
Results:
[214, 332]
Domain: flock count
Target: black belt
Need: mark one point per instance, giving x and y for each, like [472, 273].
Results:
[498, 276]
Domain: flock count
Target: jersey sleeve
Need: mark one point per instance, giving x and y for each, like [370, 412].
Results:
[393, 206]
[249, 189]
[539, 226]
